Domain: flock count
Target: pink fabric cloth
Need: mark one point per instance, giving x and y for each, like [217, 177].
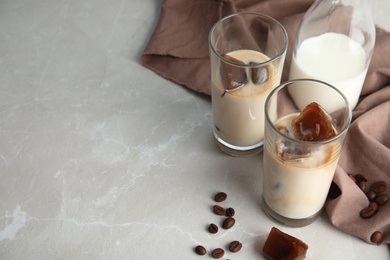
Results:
[178, 51]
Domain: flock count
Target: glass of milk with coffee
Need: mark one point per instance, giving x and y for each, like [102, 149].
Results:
[301, 150]
[334, 43]
[247, 53]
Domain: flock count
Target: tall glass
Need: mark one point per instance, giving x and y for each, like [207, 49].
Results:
[247, 53]
[301, 151]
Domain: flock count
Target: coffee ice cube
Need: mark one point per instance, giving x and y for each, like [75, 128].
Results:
[288, 150]
[290, 153]
[233, 77]
[259, 75]
[313, 124]
[280, 245]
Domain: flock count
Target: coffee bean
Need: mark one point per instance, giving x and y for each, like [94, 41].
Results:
[362, 185]
[219, 210]
[379, 187]
[381, 199]
[367, 212]
[220, 196]
[228, 223]
[217, 253]
[376, 237]
[360, 177]
[374, 206]
[230, 212]
[200, 250]
[352, 177]
[213, 228]
[235, 246]
[371, 195]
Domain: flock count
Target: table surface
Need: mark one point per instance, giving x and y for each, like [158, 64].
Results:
[100, 158]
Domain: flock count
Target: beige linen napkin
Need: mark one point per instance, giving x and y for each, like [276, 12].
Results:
[366, 151]
[178, 51]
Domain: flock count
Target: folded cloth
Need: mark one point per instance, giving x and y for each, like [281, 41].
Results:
[366, 151]
[178, 51]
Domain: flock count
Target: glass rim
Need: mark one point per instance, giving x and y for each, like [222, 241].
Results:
[329, 140]
[282, 51]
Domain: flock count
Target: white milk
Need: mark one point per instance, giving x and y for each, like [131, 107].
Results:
[331, 57]
[297, 189]
[239, 115]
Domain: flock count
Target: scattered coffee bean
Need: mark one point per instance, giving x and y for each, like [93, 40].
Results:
[200, 250]
[217, 253]
[371, 195]
[228, 223]
[219, 210]
[213, 229]
[235, 246]
[381, 199]
[374, 194]
[352, 177]
[374, 206]
[376, 237]
[230, 212]
[220, 196]
[379, 187]
[360, 177]
[362, 185]
[367, 212]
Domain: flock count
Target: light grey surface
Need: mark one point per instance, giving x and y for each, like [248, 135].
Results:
[100, 158]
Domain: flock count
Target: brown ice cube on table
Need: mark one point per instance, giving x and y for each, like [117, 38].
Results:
[281, 246]
[233, 76]
[313, 124]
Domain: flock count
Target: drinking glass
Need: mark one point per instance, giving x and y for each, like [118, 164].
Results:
[247, 53]
[301, 150]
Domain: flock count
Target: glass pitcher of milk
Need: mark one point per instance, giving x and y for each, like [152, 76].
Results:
[334, 43]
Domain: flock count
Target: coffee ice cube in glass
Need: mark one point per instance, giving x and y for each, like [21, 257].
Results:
[313, 124]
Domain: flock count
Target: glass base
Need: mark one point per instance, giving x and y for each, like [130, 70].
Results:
[238, 151]
[290, 222]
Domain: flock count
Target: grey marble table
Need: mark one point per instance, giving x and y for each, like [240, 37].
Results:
[100, 158]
